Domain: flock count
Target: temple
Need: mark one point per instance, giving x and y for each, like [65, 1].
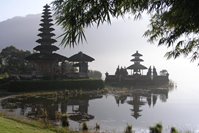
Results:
[44, 59]
[137, 77]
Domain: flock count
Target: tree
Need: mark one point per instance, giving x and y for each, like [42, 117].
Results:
[174, 23]
[94, 74]
[13, 62]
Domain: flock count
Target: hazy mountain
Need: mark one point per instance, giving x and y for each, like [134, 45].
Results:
[21, 31]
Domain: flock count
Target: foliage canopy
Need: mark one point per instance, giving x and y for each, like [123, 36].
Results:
[12, 61]
[174, 23]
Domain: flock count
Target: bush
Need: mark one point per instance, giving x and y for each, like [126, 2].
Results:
[174, 130]
[128, 129]
[64, 119]
[39, 85]
[84, 127]
[156, 129]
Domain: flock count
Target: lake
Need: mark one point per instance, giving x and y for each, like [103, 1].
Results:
[114, 108]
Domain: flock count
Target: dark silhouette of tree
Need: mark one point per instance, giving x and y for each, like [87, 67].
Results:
[12, 61]
[174, 23]
[94, 74]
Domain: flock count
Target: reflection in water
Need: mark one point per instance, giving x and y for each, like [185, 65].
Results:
[76, 104]
[139, 97]
[38, 106]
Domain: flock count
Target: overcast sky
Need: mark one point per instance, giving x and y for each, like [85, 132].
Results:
[122, 38]
[12, 8]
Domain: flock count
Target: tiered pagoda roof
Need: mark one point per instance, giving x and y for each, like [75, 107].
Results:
[46, 34]
[46, 49]
[136, 67]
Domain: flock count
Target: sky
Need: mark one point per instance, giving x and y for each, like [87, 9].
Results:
[12, 8]
[125, 36]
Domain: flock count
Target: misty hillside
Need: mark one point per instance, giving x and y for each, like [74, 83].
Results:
[20, 32]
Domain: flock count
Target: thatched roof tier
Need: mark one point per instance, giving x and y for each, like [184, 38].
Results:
[46, 29]
[46, 47]
[81, 57]
[136, 66]
[46, 56]
[46, 6]
[47, 41]
[46, 11]
[47, 15]
[46, 34]
[137, 59]
[49, 24]
[46, 20]
[137, 54]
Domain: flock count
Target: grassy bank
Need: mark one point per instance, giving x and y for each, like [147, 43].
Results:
[43, 85]
[8, 125]
[12, 126]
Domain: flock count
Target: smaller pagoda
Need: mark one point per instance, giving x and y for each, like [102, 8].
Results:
[81, 60]
[44, 59]
[137, 67]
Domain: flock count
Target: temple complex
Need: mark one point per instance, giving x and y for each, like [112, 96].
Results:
[49, 64]
[44, 59]
[137, 77]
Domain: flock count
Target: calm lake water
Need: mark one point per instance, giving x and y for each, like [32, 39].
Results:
[113, 110]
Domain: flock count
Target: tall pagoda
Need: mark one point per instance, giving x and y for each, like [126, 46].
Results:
[44, 59]
[137, 67]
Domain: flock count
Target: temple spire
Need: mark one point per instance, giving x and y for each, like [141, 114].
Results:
[46, 34]
[45, 59]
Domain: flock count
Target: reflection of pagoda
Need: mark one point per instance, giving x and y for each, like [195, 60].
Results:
[137, 103]
[45, 61]
[137, 67]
